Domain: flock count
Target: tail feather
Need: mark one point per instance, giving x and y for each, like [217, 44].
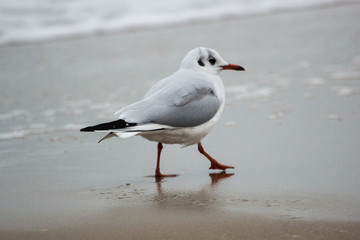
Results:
[111, 134]
[117, 124]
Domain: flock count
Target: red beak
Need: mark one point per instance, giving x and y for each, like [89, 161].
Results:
[233, 67]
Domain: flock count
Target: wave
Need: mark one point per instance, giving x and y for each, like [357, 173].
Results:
[49, 20]
[38, 131]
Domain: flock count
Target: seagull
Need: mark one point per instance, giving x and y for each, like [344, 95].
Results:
[179, 109]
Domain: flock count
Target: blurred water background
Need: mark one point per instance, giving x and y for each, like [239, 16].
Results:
[42, 20]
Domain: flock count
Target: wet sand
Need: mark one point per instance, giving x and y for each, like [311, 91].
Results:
[290, 128]
[195, 226]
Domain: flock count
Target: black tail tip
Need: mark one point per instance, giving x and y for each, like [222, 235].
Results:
[87, 129]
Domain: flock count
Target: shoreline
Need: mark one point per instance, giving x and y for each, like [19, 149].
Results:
[164, 26]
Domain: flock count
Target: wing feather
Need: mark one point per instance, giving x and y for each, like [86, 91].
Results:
[177, 101]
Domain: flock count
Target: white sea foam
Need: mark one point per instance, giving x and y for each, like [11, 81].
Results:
[251, 91]
[282, 83]
[13, 114]
[343, 91]
[38, 20]
[37, 130]
[230, 124]
[346, 75]
[313, 81]
[277, 115]
[334, 117]
[23, 133]
[68, 116]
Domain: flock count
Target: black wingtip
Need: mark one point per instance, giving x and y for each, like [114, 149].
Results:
[87, 129]
[117, 124]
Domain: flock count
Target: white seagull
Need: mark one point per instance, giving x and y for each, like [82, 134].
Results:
[180, 109]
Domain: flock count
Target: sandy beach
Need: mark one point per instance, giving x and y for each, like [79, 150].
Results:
[290, 127]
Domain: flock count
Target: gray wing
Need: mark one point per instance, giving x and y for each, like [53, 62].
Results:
[185, 103]
[189, 108]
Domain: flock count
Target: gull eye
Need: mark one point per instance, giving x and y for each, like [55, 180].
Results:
[212, 61]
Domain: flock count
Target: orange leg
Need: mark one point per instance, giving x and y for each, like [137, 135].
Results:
[158, 174]
[214, 164]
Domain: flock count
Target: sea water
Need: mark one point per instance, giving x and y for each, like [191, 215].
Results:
[44, 20]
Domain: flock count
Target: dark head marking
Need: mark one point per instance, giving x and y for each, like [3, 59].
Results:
[211, 58]
[200, 62]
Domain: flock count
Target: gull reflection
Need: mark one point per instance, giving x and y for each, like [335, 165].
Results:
[203, 198]
[216, 177]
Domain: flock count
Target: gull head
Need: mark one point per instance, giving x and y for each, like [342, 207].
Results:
[208, 60]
